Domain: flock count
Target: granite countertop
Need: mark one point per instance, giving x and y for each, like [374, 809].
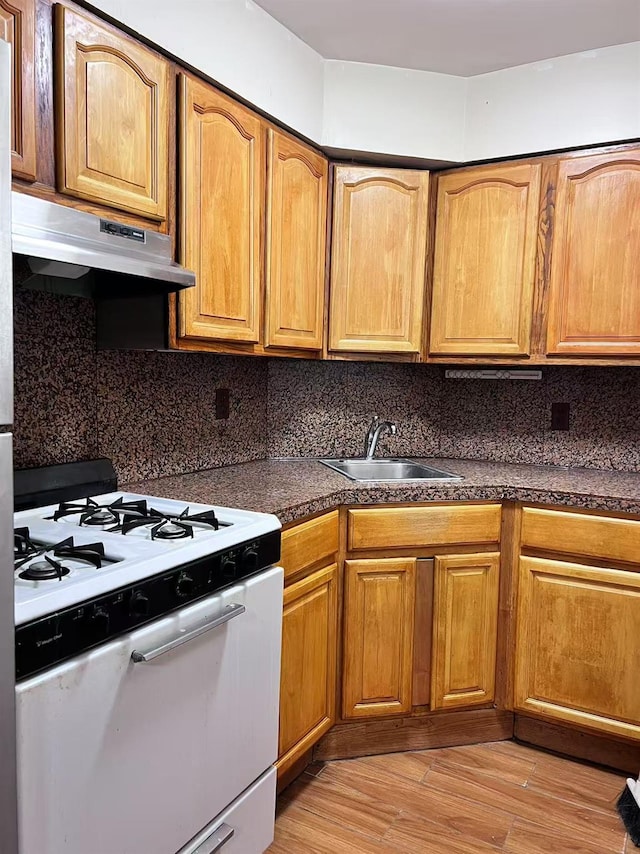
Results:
[293, 489]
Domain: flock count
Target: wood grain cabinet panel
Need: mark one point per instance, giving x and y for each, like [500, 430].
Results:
[578, 645]
[308, 676]
[309, 543]
[296, 243]
[113, 117]
[465, 625]
[607, 538]
[222, 208]
[18, 27]
[378, 637]
[408, 526]
[380, 221]
[595, 277]
[485, 261]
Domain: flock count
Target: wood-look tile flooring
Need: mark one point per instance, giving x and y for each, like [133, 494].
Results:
[457, 800]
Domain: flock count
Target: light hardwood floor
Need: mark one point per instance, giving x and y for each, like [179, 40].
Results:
[457, 800]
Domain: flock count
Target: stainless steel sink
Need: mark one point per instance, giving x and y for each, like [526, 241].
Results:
[388, 469]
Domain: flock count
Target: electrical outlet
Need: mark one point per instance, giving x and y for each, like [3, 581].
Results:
[222, 403]
[560, 416]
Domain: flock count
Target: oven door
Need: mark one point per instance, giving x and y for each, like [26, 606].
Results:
[134, 747]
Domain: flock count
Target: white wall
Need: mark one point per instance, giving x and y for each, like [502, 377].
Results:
[570, 101]
[574, 100]
[393, 110]
[240, 46]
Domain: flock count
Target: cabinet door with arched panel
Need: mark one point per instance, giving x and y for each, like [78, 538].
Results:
[18, 27]
[296, 242]
[485, 261]
[594, 305]
[113, 117]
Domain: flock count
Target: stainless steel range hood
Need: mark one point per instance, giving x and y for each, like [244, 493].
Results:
[71, 251]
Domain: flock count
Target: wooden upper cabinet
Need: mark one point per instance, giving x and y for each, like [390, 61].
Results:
[113, 117]
[379, 240]
[18, 27]
[485, 261]
[309, 652]
[296, 240]
[379, 618]
[465, 625]
[222, 213]
[595, 276]
[577, 645]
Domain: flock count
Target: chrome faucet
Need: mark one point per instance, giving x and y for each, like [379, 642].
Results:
[376, 428]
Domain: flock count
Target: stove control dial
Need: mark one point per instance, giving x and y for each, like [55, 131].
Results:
[100, 621]
[250, 559]
[139, 604]
[228, 568]
[184, 585]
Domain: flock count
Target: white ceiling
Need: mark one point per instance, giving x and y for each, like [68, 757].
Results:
[463, 37]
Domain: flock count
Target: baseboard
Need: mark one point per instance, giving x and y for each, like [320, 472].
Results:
[589, 746]
[444, 729]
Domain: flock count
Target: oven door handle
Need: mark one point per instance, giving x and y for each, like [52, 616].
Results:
[220, 836]
[229, 613]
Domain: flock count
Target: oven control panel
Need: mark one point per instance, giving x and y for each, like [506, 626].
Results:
[67, 633]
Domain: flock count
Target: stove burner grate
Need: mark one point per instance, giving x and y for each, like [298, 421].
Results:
[92, 513]
[169, 526]
[50, 567]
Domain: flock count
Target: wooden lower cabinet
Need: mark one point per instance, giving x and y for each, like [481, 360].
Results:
[378, 637]
[465, 625]
[309, 650]
[578, 645]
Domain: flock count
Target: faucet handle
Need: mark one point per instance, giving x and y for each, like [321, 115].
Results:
[392, 428]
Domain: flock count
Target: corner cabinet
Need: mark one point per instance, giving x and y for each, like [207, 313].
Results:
[379, 244]
[465, 627]
[485, 261]
[594, 306]
[296, 244]
[18, 27]
[221, 213]
[578, 645]
[378, 637]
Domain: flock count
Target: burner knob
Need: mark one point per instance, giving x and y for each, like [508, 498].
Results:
[185, 585]
[100, 621]
[250, 559]
[228, 568]
[139, 605]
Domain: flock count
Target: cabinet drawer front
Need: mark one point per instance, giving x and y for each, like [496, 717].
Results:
[578, 645]
[576, 533]
[404, 527]
[309, 543]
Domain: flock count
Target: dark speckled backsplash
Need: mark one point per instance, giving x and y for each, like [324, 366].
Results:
[153, 413]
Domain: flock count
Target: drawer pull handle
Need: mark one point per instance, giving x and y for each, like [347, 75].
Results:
[220, 836]
[186, 635]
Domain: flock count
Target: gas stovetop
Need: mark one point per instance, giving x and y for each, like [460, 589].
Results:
[69, 553]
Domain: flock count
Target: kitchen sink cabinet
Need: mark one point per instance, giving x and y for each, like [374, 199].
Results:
[465, 625]
[112, 117]
[594, 303]
[485, 260]
[577, 645]
[18, 27]
[379, 244]
[379, 603]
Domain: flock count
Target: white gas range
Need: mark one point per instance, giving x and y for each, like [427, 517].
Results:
[147, 659]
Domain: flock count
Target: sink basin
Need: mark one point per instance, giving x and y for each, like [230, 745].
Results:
[388, 469]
